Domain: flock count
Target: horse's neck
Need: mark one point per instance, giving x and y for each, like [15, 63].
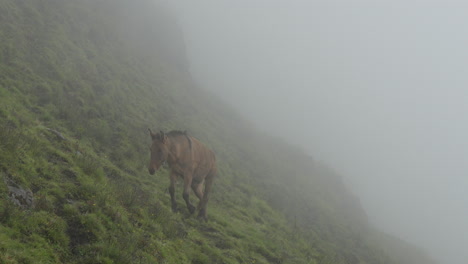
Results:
[177, 146]
[171, 145]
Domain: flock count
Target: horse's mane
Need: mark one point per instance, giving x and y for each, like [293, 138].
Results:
[177, 133]
[180, 133]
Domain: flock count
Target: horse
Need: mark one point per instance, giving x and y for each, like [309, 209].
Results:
[189, 159]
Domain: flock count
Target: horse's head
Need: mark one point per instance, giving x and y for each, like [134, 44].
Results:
[159, 151]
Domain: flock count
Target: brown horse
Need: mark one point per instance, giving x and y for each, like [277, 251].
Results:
[189, 159]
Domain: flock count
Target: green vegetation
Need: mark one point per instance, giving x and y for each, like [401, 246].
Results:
[80, 83]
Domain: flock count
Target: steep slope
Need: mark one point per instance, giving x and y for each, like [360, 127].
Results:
[401, 250]
[80, 83]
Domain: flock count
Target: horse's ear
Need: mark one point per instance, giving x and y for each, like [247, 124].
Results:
[153, 136]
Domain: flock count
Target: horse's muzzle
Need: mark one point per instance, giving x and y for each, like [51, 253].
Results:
[151, 171]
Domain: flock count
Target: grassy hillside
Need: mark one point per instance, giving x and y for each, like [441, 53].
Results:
[80, 83]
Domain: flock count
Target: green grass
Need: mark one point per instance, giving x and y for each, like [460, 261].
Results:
[77, 95]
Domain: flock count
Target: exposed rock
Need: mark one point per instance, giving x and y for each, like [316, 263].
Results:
[21, 197]
[58, 134]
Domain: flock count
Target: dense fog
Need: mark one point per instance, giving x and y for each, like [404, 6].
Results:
[376, 89]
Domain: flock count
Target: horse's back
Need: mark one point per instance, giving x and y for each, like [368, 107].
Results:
[204, 159]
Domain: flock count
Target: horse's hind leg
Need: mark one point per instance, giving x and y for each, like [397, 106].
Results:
[208, 184]
[186, 194]
[198, 190]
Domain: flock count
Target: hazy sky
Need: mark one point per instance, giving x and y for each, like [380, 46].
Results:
[376, 89]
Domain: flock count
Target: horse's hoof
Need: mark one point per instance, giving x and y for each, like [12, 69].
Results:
[174, 209]
[191, 209]
[202, 215]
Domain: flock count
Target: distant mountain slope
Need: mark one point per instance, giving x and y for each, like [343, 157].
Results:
[80, 83]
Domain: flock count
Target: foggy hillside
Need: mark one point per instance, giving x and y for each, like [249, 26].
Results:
[375, 89]
[80, 84]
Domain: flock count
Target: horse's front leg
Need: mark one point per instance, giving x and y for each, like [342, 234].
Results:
[172, 191]
[186, 194]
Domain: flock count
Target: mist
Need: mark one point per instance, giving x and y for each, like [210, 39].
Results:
[376, 89]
